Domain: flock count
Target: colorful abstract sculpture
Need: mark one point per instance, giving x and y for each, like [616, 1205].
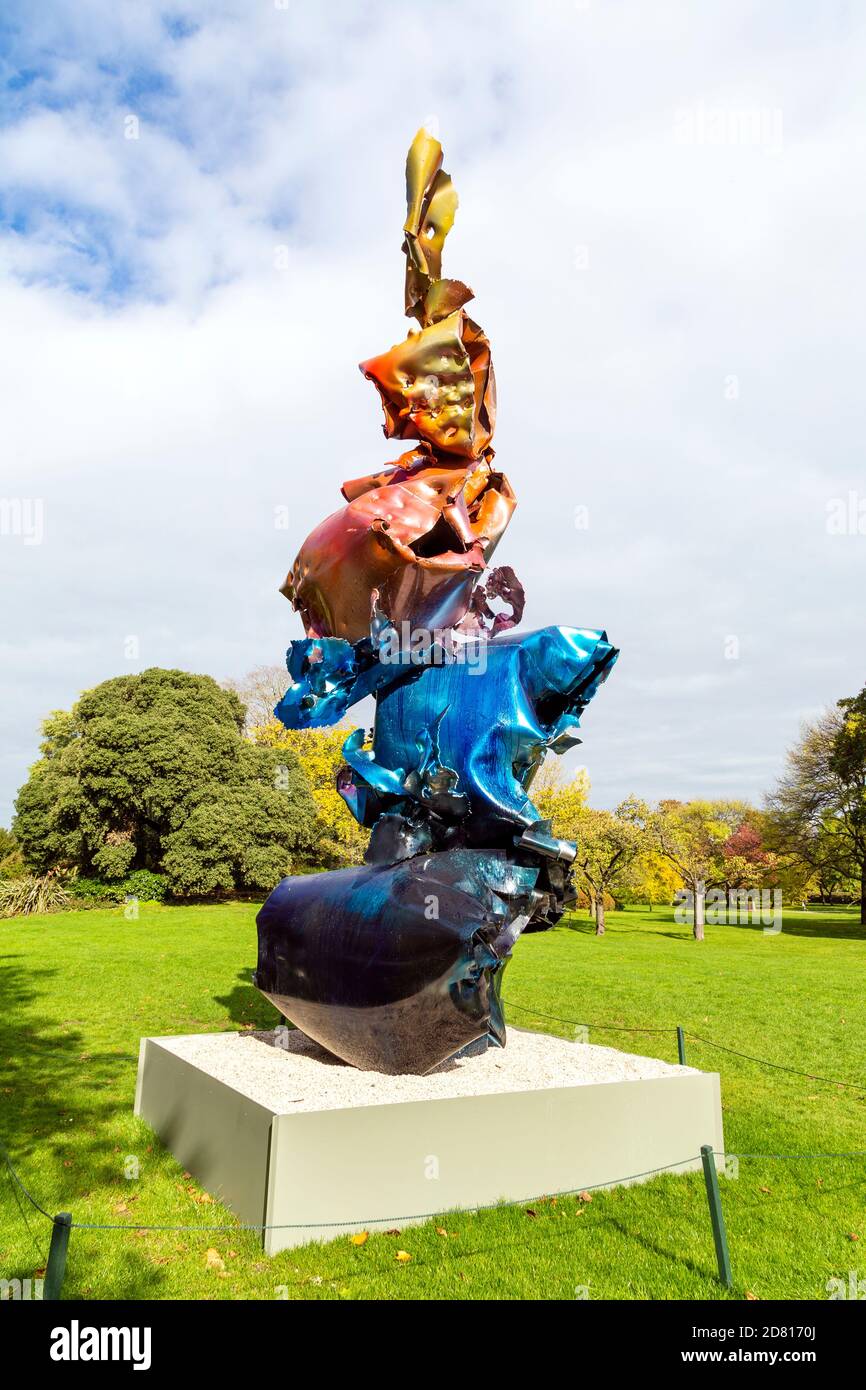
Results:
[397, 965]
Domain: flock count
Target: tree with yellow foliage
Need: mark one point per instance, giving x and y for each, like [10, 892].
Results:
[560, 799]
[651, 879]
[339, 839]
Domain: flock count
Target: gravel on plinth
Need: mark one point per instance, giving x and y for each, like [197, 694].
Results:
[289, 1074]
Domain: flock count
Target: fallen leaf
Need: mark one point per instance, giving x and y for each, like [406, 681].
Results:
[394, 1231]
[403, 1256]
[203, 1199]
[852, 1235]
[584, 1197]
[752, 1297]
[121, 1209]
[361, 1238]
[441, 1231]
[766, 1189]
[214, 1260]
[530, 1212]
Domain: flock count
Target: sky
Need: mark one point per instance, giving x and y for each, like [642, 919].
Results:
[661, 214]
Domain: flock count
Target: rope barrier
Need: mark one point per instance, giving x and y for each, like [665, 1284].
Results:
[777, 1066]
[62, 1225]
[8, 1161]
[374, 1220]
[416, 1216]
[848, 1153]
[695, 1037]
[603, 1027]
[14, 1180]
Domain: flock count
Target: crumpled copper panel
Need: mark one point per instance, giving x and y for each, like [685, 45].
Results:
[478, 501]
[431, 202]
[411, 540]
[438, 385]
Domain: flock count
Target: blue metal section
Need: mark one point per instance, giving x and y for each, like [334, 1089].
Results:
[397, 965]
[490, 724]
[329, 675]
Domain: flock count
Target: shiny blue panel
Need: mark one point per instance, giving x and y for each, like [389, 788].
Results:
[494, 720]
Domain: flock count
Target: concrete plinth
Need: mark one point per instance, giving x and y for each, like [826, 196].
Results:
[290, 1138]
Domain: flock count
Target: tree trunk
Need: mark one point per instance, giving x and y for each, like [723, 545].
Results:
[863, 894]
[699, 898]
[592, 906]
[599, 916]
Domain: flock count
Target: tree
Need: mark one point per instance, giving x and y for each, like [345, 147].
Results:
[559, 798]
[11, 859]
[339, 839]
[651, 879]
[746, 862]
[151, 771]
[259, 691]
[607, 844]
[819, 805]
[690, 835]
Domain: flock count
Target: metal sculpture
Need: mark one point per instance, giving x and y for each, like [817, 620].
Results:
[397, 965]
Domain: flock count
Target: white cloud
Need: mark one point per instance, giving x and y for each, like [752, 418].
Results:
[163, 386]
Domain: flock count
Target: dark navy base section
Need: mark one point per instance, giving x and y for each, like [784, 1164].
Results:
[396, 967]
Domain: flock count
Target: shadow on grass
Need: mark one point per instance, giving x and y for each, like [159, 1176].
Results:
[134, 1269]
[674, 1256]
[58, 1104]
[246, 1006]
[50, 1080]
[808, 925]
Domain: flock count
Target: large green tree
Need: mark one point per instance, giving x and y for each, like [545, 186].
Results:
[151, 771]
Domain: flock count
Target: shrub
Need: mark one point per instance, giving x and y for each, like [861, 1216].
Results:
[12, 865]
[148, 886]
[141, 883]
[95, 893]
[20, 897]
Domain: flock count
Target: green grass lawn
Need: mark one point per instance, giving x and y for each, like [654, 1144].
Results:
[78, 990]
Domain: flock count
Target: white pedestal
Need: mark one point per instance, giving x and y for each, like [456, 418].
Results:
[293, 1139]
